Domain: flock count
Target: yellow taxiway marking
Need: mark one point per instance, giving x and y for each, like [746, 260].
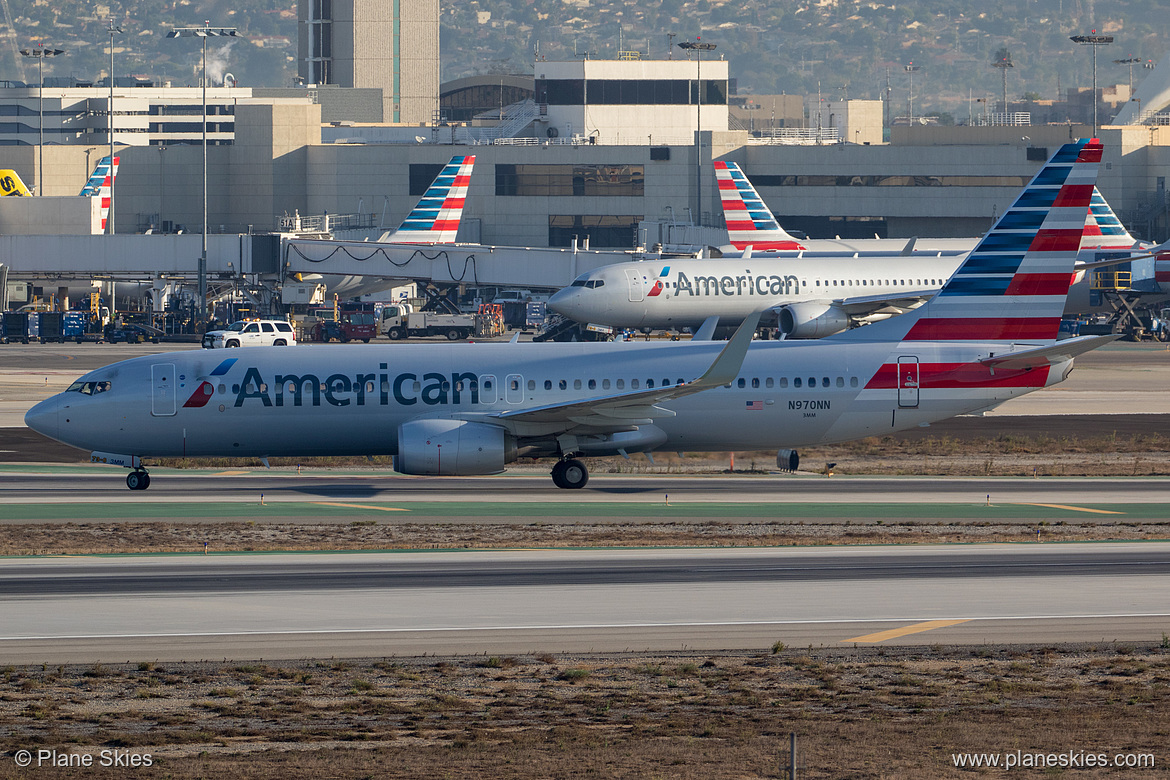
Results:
[361, 506]
[1077, 509]
[917, 628]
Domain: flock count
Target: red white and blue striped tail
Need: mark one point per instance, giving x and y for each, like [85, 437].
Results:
[1013, 285]
[749, 222]
[435, 218]
[1103, 230]
[101, 181]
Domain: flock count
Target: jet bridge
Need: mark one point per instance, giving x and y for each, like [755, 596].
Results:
[477, 265]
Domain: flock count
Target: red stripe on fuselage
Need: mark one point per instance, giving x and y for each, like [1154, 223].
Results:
[975, 329]
[763, 246]
[943, 376]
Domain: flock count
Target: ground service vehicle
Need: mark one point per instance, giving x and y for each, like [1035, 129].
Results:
[257, 333]
[399, 324]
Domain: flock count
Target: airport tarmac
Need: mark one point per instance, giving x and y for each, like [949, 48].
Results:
[382, 604]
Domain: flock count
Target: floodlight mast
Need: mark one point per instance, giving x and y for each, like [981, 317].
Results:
[39, 55]
[698, 46]
[204, 32]
[1093, 41]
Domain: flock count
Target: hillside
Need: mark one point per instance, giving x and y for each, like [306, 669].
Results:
[844, 48]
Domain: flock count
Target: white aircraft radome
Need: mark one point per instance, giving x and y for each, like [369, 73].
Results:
[989, 335]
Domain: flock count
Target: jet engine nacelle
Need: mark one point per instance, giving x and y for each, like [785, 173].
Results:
[811, 320]
[452, 448]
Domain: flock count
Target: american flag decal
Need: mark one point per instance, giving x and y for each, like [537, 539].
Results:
[755, 406]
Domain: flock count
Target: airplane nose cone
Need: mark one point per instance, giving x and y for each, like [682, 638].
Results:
[43, 418]
[565, 301]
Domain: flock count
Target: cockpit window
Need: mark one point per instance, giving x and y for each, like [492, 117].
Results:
[89, 388]
[598, 283]
[578, 283]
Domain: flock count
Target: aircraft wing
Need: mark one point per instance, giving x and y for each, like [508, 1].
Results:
[1048, 356]
[623, 410]
[866, 304]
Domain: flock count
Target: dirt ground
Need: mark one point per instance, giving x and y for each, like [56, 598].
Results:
[868, 712]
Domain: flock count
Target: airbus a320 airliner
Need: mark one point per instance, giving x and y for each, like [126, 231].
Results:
[989, 335]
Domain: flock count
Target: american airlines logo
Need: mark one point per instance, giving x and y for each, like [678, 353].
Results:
[407, 389]
[745, 284]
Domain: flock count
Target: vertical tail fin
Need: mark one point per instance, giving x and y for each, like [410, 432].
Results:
[11, 183]
[1013, 285]
[435, 218]
[100, 182]
[749, 222]
[1103, 230]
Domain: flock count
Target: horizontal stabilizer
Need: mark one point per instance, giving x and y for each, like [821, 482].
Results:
[1048, 356]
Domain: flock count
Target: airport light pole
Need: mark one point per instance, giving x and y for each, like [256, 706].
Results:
[1093, 41]
[698, 47]
[112, 30]
[1130, 61]
[39, 55]
[204, 32]
[912, 69]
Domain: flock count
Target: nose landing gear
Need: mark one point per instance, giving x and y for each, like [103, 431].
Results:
[570, 474]
[138, 479]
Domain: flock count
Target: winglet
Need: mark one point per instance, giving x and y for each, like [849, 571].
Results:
[706, 331]
[909, 248]
[726, 367]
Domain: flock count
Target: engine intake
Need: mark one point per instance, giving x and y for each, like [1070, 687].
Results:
[811, 320]
[452, 448]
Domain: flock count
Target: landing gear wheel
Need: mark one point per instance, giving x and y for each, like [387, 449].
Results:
[138, 480]
[570, 474]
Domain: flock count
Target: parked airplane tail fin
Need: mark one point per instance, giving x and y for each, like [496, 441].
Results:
[101, 181]
[435, 218]
[1013, 285]
[749, 222]
[11, 183]
[1103, 230]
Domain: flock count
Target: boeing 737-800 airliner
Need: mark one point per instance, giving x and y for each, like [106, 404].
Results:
[989, 335]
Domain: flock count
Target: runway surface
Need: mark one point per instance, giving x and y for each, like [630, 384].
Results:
[240, 491]
[362, 604]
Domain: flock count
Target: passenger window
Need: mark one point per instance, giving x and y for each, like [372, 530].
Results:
[797, 383]
[418, 387]
[840, 381]
[576, 384]
[369, 387]
[621, 384]
[548, 384]
[487, 384]
[768, 382]
[385, 387]
[649, 383]
[784, 382]
[515, 384]
[563, 385]
[825, 381]
[853, 381]
[592, 384]
[741, 383]
[755, 381]
[812, 381]
[633, 384]
[531, 384]
[604, 384]
[222, 388]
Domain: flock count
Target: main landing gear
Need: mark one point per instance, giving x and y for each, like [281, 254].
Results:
[570, 474]
[138, 479]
